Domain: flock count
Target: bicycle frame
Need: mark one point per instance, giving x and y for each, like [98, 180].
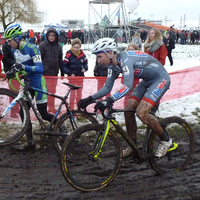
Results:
[35, 110]
[24, 92]
[139, 155]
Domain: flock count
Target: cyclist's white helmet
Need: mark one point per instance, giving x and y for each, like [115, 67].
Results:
[104, 45]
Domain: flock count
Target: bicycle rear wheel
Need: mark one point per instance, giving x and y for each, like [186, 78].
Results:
[78, 165]
[12, 126]
[68, 123]
[183, 143]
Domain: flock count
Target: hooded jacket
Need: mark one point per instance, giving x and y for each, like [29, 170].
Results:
[51, 54]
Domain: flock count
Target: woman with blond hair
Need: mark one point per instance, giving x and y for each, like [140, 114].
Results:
[155, 46]
[132, 46]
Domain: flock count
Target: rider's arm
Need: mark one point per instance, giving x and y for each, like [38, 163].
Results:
[128, 74]
[37, 66]
[107, 87]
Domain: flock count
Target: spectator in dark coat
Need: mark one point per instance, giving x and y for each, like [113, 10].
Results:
[170, 44]
[51, 54]
[8, 57]
[100, 71]
[186, 36]
[172, 34]
[192, 39]
[62, 37]
[182, 37]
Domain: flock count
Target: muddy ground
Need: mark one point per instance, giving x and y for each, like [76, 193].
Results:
[36, 175]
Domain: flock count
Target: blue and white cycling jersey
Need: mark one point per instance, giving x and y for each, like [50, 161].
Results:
[29, 55]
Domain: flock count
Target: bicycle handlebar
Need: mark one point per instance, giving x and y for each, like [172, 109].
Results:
[110, 110]
[85, 109]
[16, 77]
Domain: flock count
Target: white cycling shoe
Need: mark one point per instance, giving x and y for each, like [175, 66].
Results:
[163, 148]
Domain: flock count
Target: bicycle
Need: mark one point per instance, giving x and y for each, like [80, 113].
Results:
[13, 127]
[92, 156]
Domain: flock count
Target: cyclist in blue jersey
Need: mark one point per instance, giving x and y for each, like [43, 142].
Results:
[27, 57]
[132, 64]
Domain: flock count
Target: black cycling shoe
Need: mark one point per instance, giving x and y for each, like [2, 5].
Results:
[25, 147]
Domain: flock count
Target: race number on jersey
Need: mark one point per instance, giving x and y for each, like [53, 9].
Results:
[37, 58]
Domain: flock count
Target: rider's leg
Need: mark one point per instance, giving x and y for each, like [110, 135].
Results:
[130, 120]
[42, 108]
[29, 145]
[155, 108]
[131, 125]
[152, 122]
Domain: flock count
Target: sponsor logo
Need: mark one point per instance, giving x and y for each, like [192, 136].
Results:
[121, 92]
[137, 53]
[159, 89]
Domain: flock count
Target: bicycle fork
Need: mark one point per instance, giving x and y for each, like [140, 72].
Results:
[97, 148]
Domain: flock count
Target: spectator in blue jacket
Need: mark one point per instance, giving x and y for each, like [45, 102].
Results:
[75, 64]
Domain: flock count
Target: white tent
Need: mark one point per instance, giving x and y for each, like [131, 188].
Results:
[57, 26]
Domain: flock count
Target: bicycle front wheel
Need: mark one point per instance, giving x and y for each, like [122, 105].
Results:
[179, 155]
[67, 123]
[12, 126]
[81, 168]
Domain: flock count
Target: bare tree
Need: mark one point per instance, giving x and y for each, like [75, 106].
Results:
[26, 11]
